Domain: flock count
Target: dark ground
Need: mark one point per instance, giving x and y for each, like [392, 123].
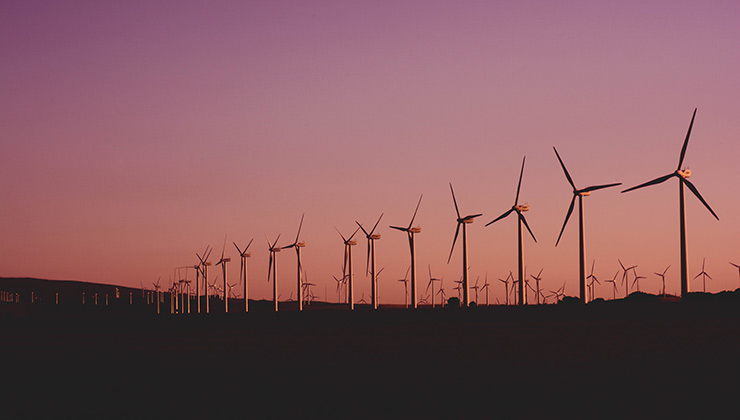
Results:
[636, 357]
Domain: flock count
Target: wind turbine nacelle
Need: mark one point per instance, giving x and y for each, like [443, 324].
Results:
[415, 230]
[248, 254]
[467, 221]
[276, 249]
[686, 173]
[208, 263]
[300, 244]
[375, 236]
[227, 259]
[353, 242]
[523, 207]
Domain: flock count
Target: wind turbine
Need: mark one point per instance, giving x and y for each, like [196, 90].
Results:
[613, 281]
[204, 263]
[683, 177]
[625, 277]
[637, 279]
[662, 277]
[593, 279]
[703, 275]
[272, 268]
[340, 283]
[537, 280]
[736, 266]
[371, 238]
[431, 284]
[519, 209]
[156, 289]
[243, 255]
[462, 221]
[223, 262]
[298, 245]
[506, 283]
[476, 288]
[442, 292]
[348, 243]
[581, 246]
[405, 281]
[411, 231]
[486, 287]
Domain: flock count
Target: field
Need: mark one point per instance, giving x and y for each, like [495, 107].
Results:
[636, 356]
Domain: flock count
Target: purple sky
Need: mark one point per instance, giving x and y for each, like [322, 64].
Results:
[135, 134]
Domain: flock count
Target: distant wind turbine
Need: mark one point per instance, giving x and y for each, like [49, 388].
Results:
[431, 284]
[625, 277]
[464, 221]
[411, 231]
[703, 275]
[223, 262]
[298, 245]
[662, 277]
[348, 244]
[581, 244]
[406, 287]
[519, 209]
[613, 281]
[371, 238]
[736, 266]
[683, 177]
[272, 269]
[243, 277]
[204, 264]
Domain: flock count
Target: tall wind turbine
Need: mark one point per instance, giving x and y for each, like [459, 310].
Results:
[348, 244]
[464, 221]
[581, 247]
[243, 255]
[371, 238]
[204, 263]
[223, 262]
[298, 245]
[405, 281]
[519, 209]
[703, 275]
[662, 277]
[272, 268]
[683, 177]
[411, 231]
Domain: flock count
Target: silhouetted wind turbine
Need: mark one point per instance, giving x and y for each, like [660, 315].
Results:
[462, 221]
[593, 279]
[298, 245]
[625, 277]
[637, 279]
[411, 231]
[487, 285]
[682, 176]
[348, 243]
[537, 280]
[613, 281]
[223, 262]
[519, 209]
[371, 238]
[506, 283]
[442, 292]
[581, 246]
[156, 289]
[272, 268]
[703, 275]
[204, 264]
[431, 284]
[662, 277]
[406, 287]
[243, 255]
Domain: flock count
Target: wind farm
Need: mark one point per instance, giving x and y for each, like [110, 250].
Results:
[139, 136]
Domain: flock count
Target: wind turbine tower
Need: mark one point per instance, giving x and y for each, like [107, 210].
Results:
[519, 209]
[298, 245]
[272, 268]
[411, 231]
[683, 177]
[371, 238]
[348, 244]
[462, 221]
[243, 255]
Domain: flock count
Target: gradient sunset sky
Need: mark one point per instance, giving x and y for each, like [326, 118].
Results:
[134, 134]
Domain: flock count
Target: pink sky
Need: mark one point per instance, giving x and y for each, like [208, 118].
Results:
[135, 134]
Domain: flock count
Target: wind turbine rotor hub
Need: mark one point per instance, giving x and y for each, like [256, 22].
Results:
[686, 173]
[521, 207]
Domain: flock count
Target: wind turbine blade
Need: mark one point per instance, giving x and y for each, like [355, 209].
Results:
[205, 258]
[500, 217]
[223, 249]
[276, 240]
[299, 227]
[250, 243]
[567, 175]
[599, 187]
[455, 201]
[519, 185]
[402, 229]
[340, 234]
[686, 141]
[457, 231]
[376, 223]
[363, 229]
[354, 233]
[567, 216]
[653, 182]
[735, 265]
[269, 268]
[417, 209]
[696, 193]
[367, 260]
[521, 216]
[237, 248]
